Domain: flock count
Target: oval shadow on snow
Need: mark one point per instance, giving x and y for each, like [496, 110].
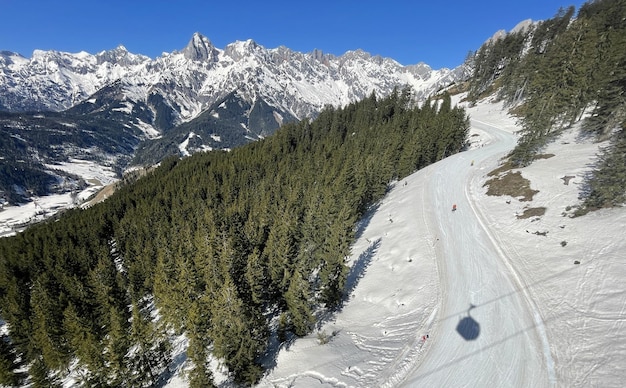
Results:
[467, 327]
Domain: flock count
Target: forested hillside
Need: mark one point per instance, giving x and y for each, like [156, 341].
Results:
[229, 248]
[557, 72]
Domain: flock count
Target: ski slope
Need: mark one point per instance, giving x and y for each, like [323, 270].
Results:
[504, 301]
[501, 298]
[486, 331]
[429, 271]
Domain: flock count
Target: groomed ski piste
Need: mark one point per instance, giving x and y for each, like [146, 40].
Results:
[472, 298]
[477, 297]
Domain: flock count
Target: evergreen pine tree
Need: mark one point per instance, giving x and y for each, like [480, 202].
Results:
[150, 351]
[298, 298]
[48, 334]
[40, 375]
[256, 278]
[86, 347]
[116, 344]
[281, 252]
[238, 337]
[336, 249]
[607, 186]
[9, 364]
[198, 319]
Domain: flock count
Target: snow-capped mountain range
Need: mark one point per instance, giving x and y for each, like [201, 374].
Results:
[192, 79]
[198, 98]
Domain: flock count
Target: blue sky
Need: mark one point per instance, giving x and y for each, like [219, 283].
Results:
[439, 33]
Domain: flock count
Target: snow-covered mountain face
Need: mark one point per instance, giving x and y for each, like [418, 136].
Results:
[55, 81]
[188, 81]
[117, 109]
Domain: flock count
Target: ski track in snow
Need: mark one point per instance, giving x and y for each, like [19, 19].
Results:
[501, 247]
[501, 305]
[531, 317]
[478, 291]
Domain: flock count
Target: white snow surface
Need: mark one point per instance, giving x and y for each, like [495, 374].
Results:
[14, 218]
[501, 305]
[499, 297]
[201, 74]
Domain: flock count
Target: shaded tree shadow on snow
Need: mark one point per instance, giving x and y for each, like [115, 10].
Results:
[269, 358]
[175, 367]
[468, 328]
[365, 220]
[359, 268]
[356, 273]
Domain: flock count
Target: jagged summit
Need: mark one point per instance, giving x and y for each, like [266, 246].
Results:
[523, 25]
[130, 109]
[153, 96]
[519, 27]
[241, 49]
[299, 83]
[200, 48]
[121, 56]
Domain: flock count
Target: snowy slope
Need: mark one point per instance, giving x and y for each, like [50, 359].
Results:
[484, 317]
[538, 319]
[97, 177]
[417, 269]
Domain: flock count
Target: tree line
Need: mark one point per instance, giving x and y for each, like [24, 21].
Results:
[229, 248]
[557, 72]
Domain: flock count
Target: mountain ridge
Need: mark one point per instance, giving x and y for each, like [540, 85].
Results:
[145, 99]
[82, 74]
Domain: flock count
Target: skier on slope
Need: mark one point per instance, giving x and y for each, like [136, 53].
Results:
[454, 207]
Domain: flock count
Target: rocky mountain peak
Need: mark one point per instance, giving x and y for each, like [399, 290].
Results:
[176, 92]
[8, 58]
[200, 48]
[241, 49]
[520, 27]
[121, 56]
[421, 69]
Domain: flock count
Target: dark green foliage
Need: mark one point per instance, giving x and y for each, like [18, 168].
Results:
[48, 334]
[198, 320]
[86, 346]
[555, 70]
[299, 304]
[116, 345]
[215, 241]
[40, 376]
[151, 354]
[535, 67]
[607, 187]
[238, 335]
[607, 45]
[9, 364]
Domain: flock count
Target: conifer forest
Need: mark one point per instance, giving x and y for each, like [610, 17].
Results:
[228, 248]
[236, 249]
[557, 72]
